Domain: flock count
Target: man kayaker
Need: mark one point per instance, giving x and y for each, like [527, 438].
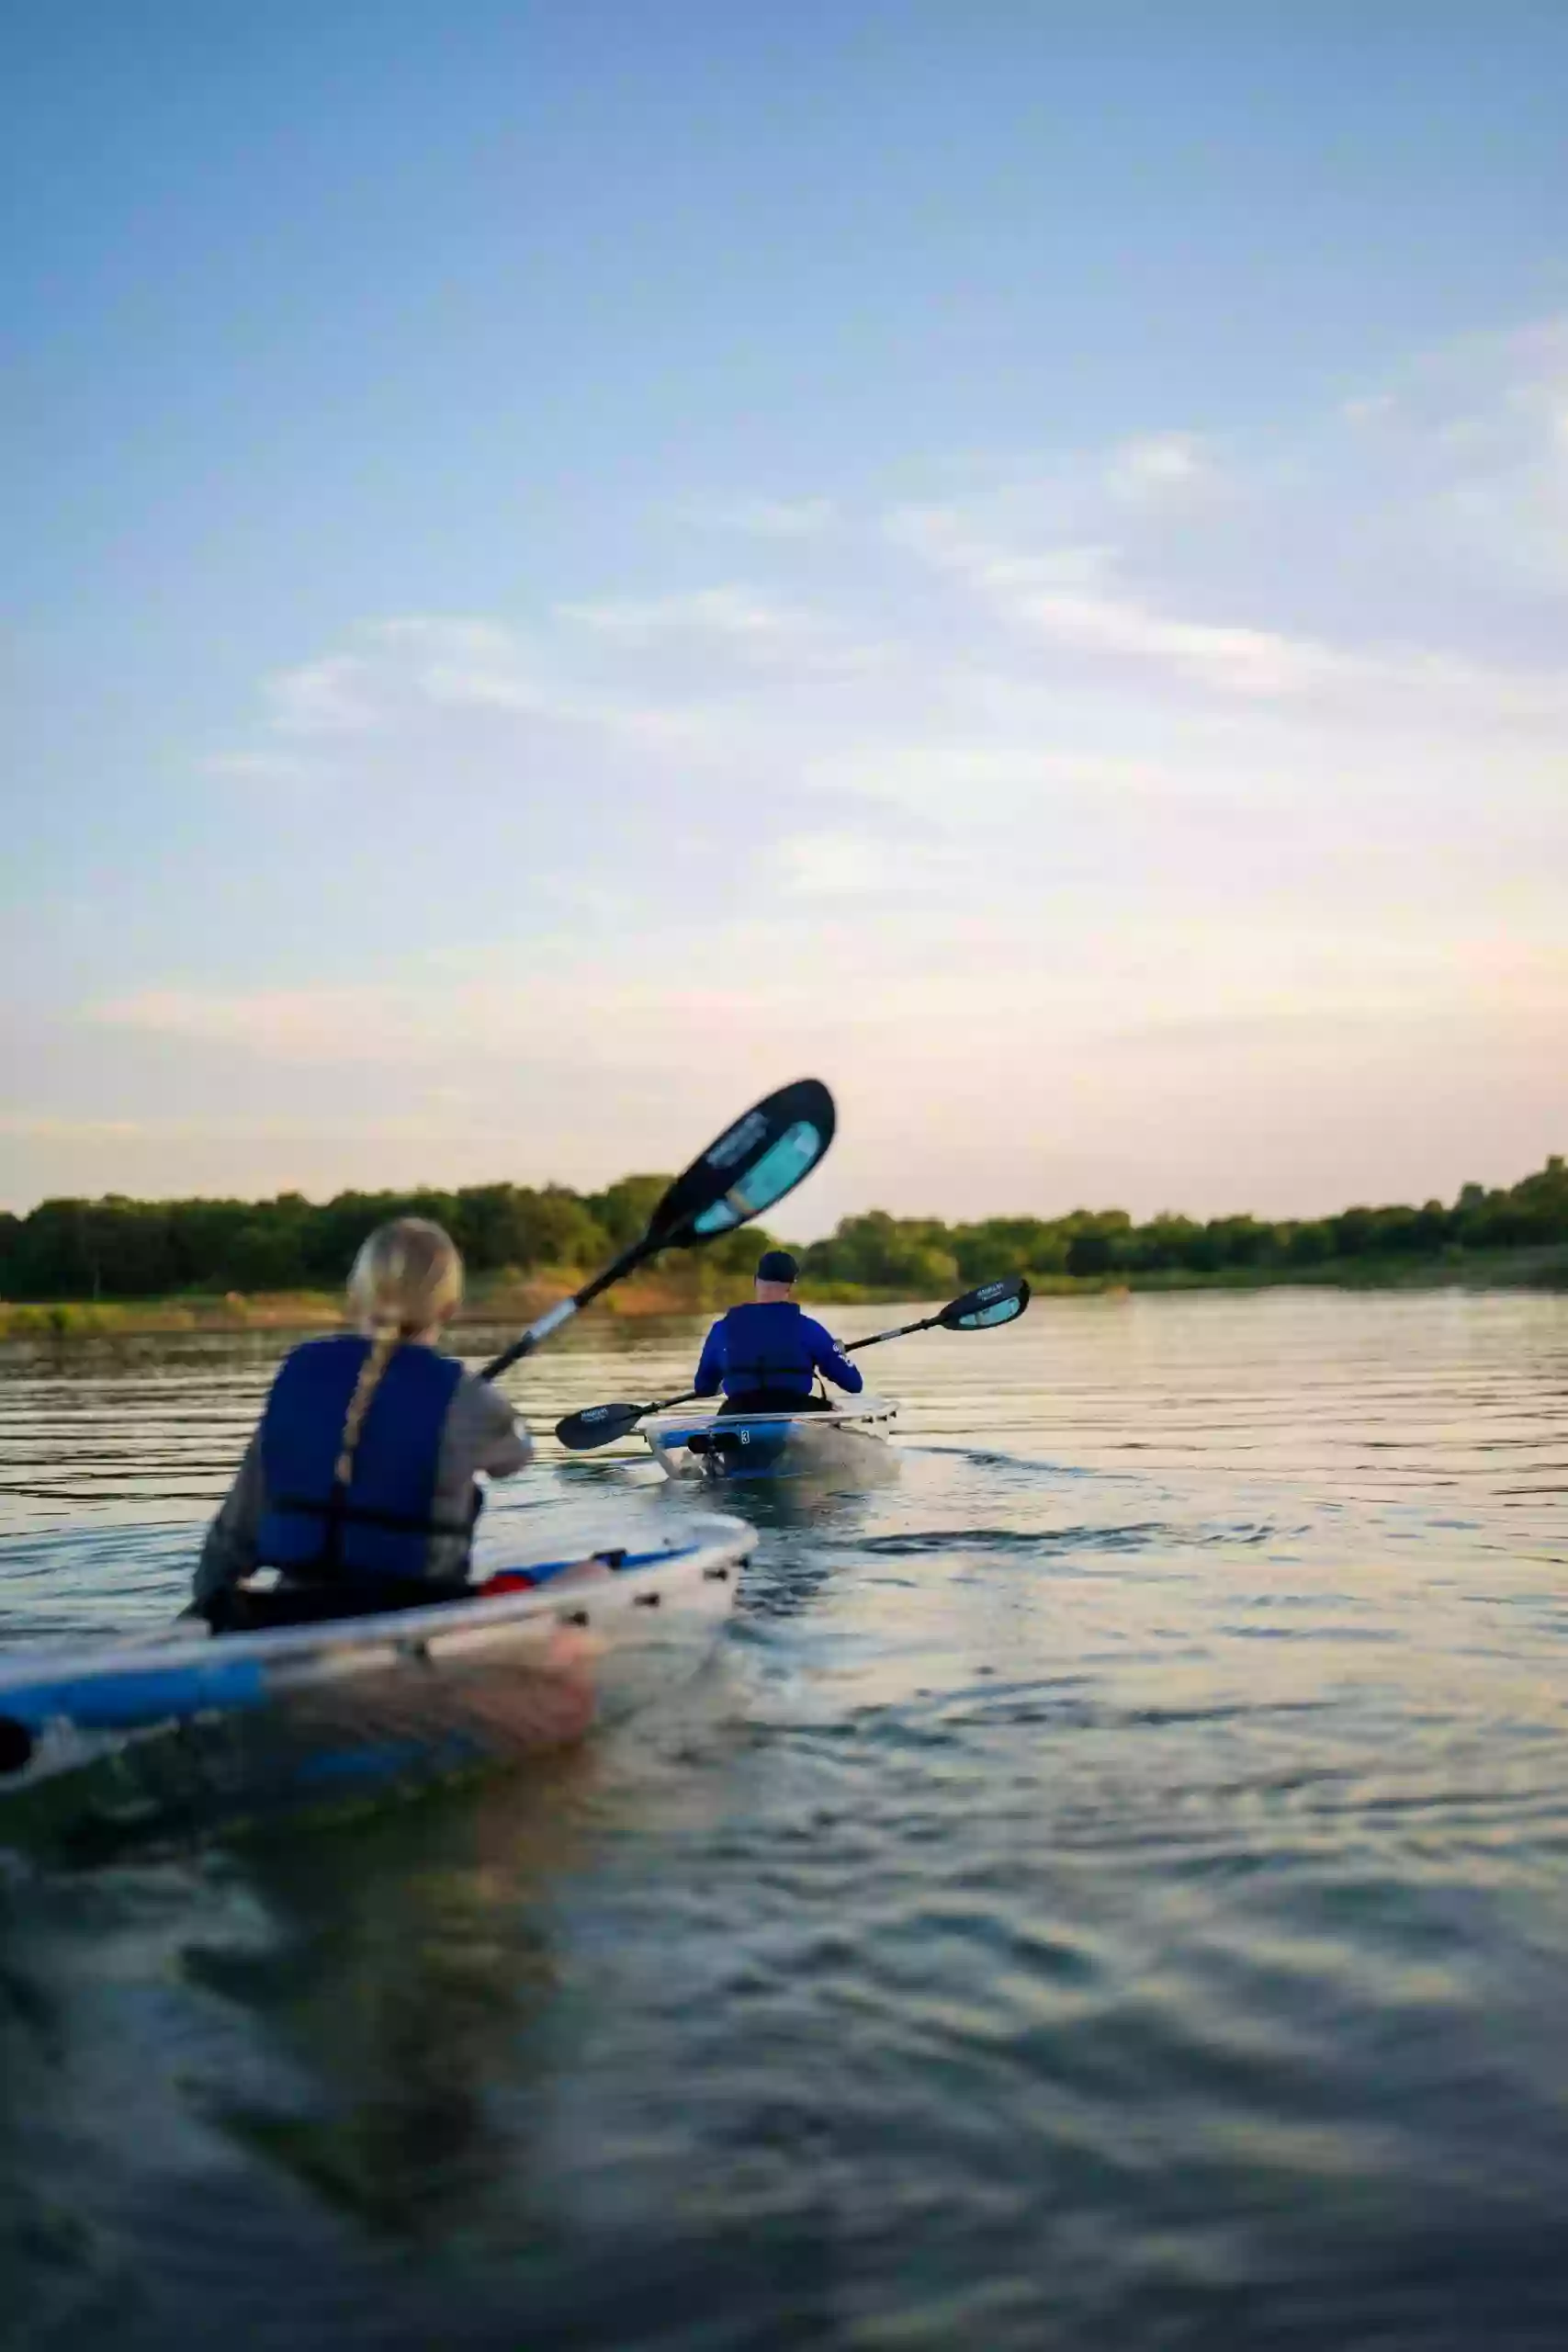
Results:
[763, 1354]
[360, 1478]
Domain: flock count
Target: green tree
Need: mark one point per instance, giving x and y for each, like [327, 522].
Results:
[1091, 1253]
[622, 1210]
[908, 1254]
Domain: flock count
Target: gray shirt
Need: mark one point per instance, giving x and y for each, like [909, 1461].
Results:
[478, 1434]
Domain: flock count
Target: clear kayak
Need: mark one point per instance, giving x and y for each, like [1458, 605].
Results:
[194, 1730]
[846, 1442]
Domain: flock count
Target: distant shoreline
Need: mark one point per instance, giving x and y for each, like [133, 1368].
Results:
[650, 1295]
[310, 1310]
[277, 1264]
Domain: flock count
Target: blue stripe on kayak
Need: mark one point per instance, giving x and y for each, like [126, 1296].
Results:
[758, 1433]
[125, 1698]
[632, 1560]
[118, 1701]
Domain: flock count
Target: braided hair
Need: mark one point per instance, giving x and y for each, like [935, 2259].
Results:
[408, 1275]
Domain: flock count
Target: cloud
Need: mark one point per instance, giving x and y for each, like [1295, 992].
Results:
[290, 1024]
[1149, 749]
[1231, 660]
[41, 1126]
[860, 865]
[791, 975]
[1062, 595]
[553, 1008]
[280, 768]
[413, 672]
[975, 779]
[1160, 467]
[1472, 444]
[1291, 1016]
[728, 612]
[762, 518]
[480, 662]
[1070, 596]
[324, 697]
[757, 627]
[1371, 408]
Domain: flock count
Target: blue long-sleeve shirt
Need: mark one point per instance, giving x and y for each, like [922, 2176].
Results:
[770, 1344]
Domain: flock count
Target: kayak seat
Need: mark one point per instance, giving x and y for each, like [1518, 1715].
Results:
[746, 1401]
[256, 1609]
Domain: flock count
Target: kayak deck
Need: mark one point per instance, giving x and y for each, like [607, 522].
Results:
[203, 1731]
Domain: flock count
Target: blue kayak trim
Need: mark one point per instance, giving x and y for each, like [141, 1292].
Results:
[131, 1698]
[730, 1447]
[751, 1427]
[755, 1447]
[539, 1569]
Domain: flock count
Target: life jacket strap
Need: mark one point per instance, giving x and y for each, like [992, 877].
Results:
[400, 1523]
[337, 1511]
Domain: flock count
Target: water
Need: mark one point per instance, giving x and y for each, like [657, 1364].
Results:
[1110, 1888]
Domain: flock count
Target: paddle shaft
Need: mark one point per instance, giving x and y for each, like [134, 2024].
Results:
[928, 1323]
[565, 1308]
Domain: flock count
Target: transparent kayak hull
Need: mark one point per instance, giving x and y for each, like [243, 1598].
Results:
[191, 1729]
[847, 1442]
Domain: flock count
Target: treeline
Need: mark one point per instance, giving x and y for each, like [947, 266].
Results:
[122, 1249]
[117, 1248]
[921, 1257]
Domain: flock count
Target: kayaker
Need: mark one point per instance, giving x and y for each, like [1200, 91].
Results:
[360, 1478]
[764, 1354]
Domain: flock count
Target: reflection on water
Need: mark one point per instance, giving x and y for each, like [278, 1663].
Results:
[1110, 1887]
[395, 2008]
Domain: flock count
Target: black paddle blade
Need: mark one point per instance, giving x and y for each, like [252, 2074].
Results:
[598, 1425]
[753, 1164]
[982, 1309]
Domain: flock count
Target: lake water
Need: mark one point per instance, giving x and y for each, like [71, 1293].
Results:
[1109, 1888]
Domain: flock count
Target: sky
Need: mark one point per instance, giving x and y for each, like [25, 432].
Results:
[567, 564]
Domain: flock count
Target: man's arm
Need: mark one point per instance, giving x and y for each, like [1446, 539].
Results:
[831, 1360]
[710, 1371]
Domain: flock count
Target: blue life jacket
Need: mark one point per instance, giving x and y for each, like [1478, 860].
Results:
[767, 1344]
[379, 1524]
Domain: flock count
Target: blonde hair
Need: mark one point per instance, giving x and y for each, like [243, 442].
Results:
[408, 1275]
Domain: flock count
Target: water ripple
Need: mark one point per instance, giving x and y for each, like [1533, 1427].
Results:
[1110, 1889]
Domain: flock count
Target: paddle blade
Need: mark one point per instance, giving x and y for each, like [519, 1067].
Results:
[753, 1164]
[598, 1425]
[983, 1310]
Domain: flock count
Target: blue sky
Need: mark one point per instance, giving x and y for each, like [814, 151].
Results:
[564, 565]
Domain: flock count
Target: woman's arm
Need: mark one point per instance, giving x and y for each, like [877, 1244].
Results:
[230, 1550]
[482, 1433]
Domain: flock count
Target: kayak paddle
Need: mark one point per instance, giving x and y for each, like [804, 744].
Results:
[602, 1424]
[754, 1163]
[977, 1310]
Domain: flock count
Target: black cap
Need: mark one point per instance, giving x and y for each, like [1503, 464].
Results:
[777, 1266]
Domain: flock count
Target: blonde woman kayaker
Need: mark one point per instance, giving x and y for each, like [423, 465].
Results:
[360, 1480]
